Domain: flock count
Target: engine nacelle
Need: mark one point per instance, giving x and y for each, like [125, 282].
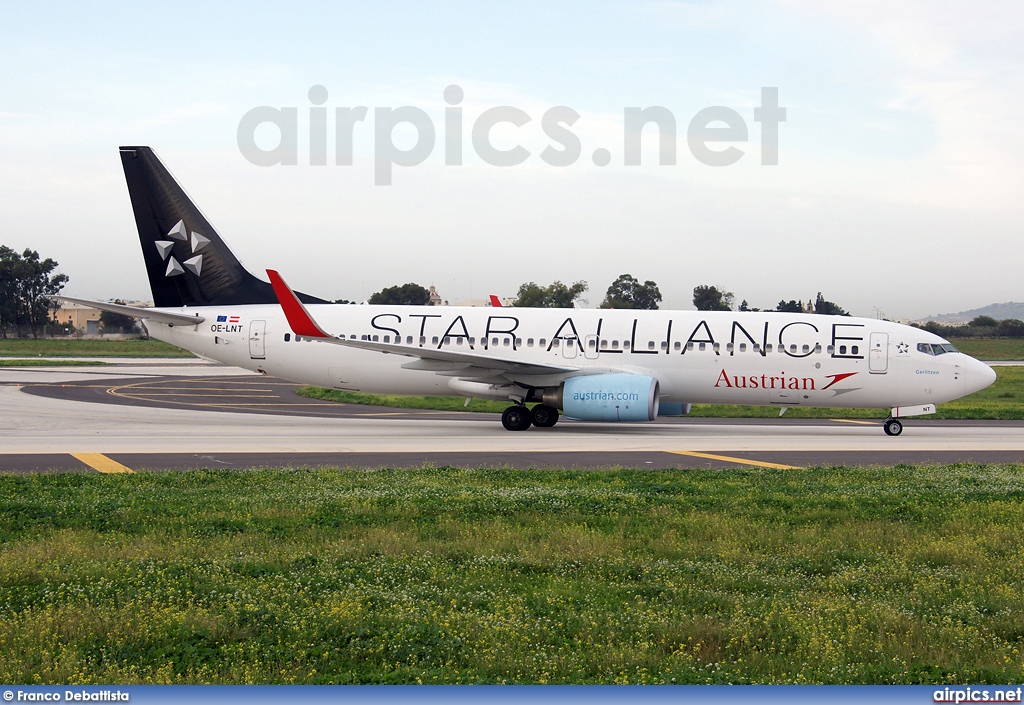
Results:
[673, 408]
[610, 397]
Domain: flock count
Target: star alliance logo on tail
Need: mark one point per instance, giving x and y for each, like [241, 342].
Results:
[193, 264]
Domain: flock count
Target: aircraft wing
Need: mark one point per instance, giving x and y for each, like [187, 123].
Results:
[465, 365]
[172, 319]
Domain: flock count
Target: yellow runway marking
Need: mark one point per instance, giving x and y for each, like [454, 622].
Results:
[865, 423]
[730, 459]
[138, 395]
[101, 463]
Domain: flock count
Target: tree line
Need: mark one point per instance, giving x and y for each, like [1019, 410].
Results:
[625, 292]
[978, 327]
[26, 283]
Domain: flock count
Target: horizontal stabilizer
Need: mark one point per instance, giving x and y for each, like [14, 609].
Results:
[147, 314]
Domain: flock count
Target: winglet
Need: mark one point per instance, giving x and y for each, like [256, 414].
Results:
[495, 301]
[298, 317]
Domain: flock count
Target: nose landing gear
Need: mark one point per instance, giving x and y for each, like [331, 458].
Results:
[893, 427]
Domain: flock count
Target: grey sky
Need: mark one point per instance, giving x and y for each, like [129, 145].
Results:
[900, 182]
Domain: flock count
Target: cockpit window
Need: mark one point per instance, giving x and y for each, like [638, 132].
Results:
[935, 348]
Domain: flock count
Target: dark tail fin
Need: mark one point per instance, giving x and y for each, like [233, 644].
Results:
[187, 262]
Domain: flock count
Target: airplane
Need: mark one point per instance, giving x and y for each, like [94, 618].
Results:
[597, 365]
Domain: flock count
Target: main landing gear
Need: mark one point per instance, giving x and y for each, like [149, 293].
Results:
[893, 427]
[519, 418]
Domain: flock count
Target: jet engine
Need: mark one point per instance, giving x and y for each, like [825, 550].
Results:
[607, 397]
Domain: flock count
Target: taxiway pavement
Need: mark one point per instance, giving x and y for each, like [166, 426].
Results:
[181, 414]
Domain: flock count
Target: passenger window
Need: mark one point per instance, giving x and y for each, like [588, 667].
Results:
[408, 340]
[805, 349]
[494, 341]
[689, 345]
[842, 349]
[591, 344]
[664, 345]
[554, 343]
[703, 346]
[743, 347]
[423, 340]
[830, 349]
[362, 337]
[519, 342]
[677, 346]
[376, 338]
[853, 350]
[542, 342]
[817, 348]
[529, 342]
[792, 347]
[650, 345]
[625, 345]
[768, 347]
[287, 337]
[615, 345]
[505, 342]
[458, 340]
[447, 340]
[716, 347]
[433, 341]
[387, 338]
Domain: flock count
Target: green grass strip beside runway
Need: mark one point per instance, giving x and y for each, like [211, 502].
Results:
[78, 347]
[837, 575]
[1003, 400]
[991, 348]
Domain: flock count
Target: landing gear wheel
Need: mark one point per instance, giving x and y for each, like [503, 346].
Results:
[516, 418]
[544, 416]
[893, 427]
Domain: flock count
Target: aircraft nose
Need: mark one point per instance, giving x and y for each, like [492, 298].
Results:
[979, 375]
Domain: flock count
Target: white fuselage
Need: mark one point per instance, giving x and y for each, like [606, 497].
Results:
[726, 357]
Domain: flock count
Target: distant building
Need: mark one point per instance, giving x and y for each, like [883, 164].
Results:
[83, 319]
[435, 298]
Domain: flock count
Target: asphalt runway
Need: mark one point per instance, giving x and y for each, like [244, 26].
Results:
[171, 415]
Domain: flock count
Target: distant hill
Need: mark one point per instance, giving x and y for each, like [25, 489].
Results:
[997, 311]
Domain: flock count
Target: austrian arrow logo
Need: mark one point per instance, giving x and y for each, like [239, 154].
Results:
[193, 264]
[837, 378]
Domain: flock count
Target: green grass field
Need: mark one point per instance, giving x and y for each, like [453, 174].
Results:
[1003, 400]
[991, 348]
[76, 347]
[823, 575]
